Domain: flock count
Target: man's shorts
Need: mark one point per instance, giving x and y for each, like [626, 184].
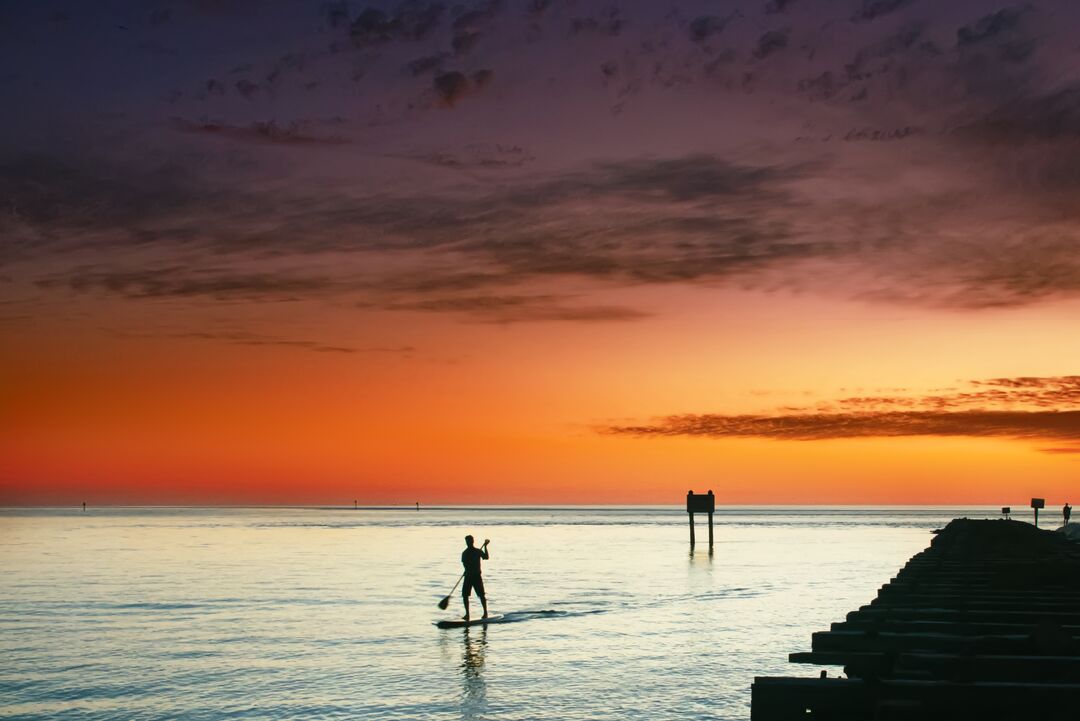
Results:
[473, 583]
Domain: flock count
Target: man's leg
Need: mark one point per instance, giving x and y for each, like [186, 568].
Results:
[465, 592]
[479, 585]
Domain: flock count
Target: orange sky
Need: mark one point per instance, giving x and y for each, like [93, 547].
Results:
[509, 413]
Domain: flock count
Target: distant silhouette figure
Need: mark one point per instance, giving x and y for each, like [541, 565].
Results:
[470, 559]
[84, 510]
[418, 505]
[1067, 512]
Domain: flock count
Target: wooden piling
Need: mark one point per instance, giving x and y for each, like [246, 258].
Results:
[983, 624]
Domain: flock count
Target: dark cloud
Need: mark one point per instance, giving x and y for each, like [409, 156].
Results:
[1026, 408]
[1047, 392]
[609, 24]
[506, 309]
[474, 156]
[1019, 425]
[463, 42]
[451, 87]
[51, 195]
[482, 77]
[823, 86]
[692, 219]
[412, 21]
[252, 339]
[371, 26]
[272, 132]
[468, 27]
[1042, 117]
[981, 99]
[777, 6]
[256, 339]
[246, 88]
[1029, 382]
[706, 26]
[436, 283]
[178, 282]
[1054, 393]
[428, 63]
[878, 57]
[689, 178]
[881, 134]
[873, 9]
[337, 13]
[648, 221]
[998, 38]
[770, 42]
[991, 26]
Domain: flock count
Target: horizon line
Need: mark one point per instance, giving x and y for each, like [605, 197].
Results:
[538, 506]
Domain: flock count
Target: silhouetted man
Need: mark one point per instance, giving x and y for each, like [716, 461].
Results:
[470, 559]
[1067, 512]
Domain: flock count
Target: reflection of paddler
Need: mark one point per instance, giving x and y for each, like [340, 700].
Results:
[472, 658]
[474, 700]
[470, 559]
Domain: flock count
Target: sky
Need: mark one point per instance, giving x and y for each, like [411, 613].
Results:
[545, 251]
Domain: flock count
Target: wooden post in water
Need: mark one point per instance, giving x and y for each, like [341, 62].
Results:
[690, 494]
[712, 498]
[700, 503]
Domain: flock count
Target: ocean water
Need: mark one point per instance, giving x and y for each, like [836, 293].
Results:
[324, 613]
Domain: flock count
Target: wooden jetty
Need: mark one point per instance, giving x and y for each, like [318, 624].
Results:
[983, 624]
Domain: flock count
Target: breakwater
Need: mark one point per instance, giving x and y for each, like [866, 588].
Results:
[983, 624]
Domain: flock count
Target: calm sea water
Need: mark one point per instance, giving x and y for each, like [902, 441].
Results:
[322, 613]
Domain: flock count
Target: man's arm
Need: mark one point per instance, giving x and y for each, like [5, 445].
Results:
[483, 550]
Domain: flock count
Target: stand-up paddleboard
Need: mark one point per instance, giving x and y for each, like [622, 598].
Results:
[462, 623]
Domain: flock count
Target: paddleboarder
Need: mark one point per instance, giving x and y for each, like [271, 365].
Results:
[470, 559]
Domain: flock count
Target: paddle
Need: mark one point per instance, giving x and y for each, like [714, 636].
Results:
[446, 600]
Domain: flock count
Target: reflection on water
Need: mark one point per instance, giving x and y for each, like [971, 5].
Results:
[279, 605]
[474, 698]
[697, 554]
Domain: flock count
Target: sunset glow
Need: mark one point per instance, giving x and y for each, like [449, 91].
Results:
[542, 252]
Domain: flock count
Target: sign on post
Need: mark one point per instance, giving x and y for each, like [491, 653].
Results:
[1037, 503]
[700, 503]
